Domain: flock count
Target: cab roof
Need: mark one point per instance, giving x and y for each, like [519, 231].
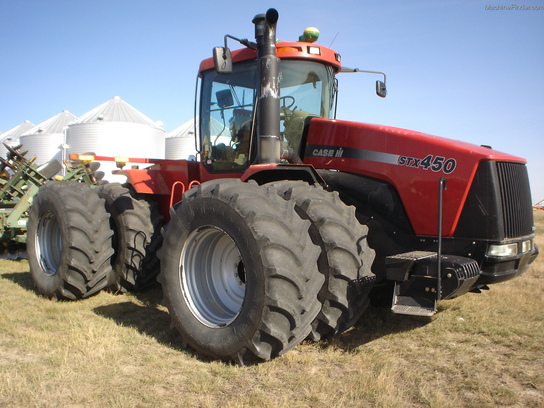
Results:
[286, 50]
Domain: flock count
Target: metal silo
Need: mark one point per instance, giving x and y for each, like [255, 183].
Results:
[45, 140]
[180, 143]
[11, 137]
[115, 128]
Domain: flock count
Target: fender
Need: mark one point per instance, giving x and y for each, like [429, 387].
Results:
[159, 179]
[267, 173]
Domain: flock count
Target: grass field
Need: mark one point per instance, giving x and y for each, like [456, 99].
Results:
[480, 350]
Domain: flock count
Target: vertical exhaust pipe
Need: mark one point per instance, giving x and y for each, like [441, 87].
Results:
[268, 90]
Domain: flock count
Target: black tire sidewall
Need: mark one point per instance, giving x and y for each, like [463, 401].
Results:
[117, 223]
[47, 201]
[221, 341]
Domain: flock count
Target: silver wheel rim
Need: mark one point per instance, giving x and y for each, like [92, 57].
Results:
[49, 243]
[213, 277]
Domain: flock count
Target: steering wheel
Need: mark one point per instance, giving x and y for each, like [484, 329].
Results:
[284, 99]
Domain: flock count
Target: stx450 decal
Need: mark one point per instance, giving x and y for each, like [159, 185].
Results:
[430, 162]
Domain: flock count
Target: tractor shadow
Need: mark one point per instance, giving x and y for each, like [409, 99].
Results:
[152, 319]
[23, 279]
[375, 323]
[143, 312]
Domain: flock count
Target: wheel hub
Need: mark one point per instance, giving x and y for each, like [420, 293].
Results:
[213, 276]
[49, 243]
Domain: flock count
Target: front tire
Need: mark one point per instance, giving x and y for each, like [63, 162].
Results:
[68, 241]
[239, 272]
[345, 260]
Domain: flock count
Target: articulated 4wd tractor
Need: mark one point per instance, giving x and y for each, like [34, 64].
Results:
[290, 221]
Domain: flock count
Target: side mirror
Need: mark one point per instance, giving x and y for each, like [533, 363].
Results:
[381, 90]
[222, 60]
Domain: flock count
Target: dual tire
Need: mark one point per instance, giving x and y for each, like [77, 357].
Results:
[250, 271]
[81, 240]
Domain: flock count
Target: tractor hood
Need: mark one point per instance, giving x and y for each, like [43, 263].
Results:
[412, 162]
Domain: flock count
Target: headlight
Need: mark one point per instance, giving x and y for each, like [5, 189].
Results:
[503, 250]
[526, 246]
[507, 250]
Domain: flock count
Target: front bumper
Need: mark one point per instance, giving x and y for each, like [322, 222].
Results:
[499, 269]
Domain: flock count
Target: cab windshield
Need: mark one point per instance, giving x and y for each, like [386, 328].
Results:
[227, 106]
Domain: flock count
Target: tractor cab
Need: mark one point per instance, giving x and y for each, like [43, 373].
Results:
[228, 99]
[307, 89]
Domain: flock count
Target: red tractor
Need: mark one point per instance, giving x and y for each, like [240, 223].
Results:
[291, 221]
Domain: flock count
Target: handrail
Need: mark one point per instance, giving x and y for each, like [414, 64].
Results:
[173, 191]
[441, 187]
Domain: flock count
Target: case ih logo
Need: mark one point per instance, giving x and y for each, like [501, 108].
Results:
[330, 152]
[430, 162]
[350, 153]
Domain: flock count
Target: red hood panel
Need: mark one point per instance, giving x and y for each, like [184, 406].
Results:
[413, 162]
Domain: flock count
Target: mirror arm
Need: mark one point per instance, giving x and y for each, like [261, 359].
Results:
[345, 69]
[348, 70]
[243, 41]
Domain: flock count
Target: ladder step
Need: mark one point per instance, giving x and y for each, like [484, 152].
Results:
[412, 305]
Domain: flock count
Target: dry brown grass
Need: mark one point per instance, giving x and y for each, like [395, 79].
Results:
[118, 351]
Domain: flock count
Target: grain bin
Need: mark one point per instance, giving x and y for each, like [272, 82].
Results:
[45, 140]
[115, 128]
[180, 143]
[11, 137]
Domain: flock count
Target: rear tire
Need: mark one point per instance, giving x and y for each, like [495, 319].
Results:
[135, 232]
[239, 272]
[345, 259]
[68, 241]
[151, 263]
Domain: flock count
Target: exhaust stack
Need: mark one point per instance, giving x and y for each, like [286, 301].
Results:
[268, 91]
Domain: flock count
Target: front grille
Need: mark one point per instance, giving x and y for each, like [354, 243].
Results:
[515, 199]
[498, 205]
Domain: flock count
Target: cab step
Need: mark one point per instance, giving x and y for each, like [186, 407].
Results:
[413, 306]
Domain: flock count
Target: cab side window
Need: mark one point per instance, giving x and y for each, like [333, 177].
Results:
[227, 118]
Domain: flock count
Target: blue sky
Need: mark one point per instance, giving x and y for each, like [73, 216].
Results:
[454, 68]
